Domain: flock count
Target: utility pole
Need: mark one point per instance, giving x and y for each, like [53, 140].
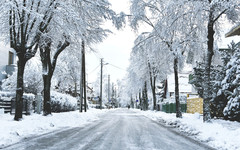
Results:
[81, 80]
[81, 92]
[84, 76]
[108, 88]
[113, 92]
[101, 83]
[115, 95]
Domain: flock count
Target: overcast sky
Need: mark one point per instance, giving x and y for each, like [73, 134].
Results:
[117, 47]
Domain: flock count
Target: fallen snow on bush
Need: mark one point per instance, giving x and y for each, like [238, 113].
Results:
[62, 102]
[220, 134]
[13, 131]
[64, 98]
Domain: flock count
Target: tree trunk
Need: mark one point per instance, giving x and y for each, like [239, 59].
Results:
[81, 91]
[143, 100]
[48, 69]
[153, 86]
[20, 87]
[136, 102]
[47, 95]
[145, 97]
[165, 89]
[178, 106]
[132, 104]
[75, 89]
[140, 100]
[207, 89]
[47, 75]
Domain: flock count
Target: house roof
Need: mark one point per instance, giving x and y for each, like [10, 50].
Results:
[234, 31]
[184, 86]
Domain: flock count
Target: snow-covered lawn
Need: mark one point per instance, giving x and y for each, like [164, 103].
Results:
[13, 131]
[220, 134]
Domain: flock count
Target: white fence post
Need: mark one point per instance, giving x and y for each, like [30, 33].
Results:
[39, 103]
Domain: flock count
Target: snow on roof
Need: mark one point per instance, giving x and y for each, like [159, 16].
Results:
[234, 31]
[184, 86]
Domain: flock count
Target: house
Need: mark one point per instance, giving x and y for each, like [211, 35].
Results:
[183, 79]
[89, 93]
[234, 31]
[7, 61]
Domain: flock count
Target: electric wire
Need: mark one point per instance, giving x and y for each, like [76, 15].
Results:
[94, 70]
[117, 67]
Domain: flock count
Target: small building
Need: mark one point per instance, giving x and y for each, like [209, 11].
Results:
[183, 79]
[7, 61]
[234, 31]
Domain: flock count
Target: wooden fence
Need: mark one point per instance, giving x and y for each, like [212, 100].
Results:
[8, 104]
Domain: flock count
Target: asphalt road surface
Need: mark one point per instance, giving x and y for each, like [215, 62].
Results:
[121, 129]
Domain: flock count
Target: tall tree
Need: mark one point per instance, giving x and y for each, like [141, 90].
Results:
[48, 66]
[182, 25]
[72, 20]
[230, 87]
[32, 78]
[214, 11]
[67, 74]
[25, 21]
[145, 57]
[172, 30]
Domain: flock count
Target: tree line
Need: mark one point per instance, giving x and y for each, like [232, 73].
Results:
[178, 31]
[50, 27]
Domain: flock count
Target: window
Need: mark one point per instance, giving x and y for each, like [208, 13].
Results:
[10, 58]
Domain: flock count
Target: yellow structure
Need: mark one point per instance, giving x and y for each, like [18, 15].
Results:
[234, 31]
[195, 105]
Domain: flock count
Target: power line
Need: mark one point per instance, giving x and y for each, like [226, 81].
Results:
[94, 69]
[117, 67]
[98, 55]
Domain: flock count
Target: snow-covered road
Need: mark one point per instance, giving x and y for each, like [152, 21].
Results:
[121, 129]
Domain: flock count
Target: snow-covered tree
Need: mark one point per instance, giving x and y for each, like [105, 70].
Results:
[22, 24]
[207, 15]
[231, 88]
[67, 75]
[148, 63]
[219, 90]
[186, 27]
[73, 22]
[172, 29]
[216, 9]
[32, 79]
[219, 97]
[32, 24]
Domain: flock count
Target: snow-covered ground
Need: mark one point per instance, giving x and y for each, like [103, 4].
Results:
[220, 134]
[13, 131]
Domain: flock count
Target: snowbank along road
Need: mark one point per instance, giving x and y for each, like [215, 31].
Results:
[120, 129]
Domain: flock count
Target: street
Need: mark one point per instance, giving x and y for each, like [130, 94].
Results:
[120, 129]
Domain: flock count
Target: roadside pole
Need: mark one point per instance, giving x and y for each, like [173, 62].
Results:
[84, 77]
[101, 83]
[108, 88]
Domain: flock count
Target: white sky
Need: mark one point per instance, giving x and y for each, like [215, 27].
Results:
[116, 48]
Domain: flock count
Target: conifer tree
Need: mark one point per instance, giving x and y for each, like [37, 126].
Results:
[231, 88]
